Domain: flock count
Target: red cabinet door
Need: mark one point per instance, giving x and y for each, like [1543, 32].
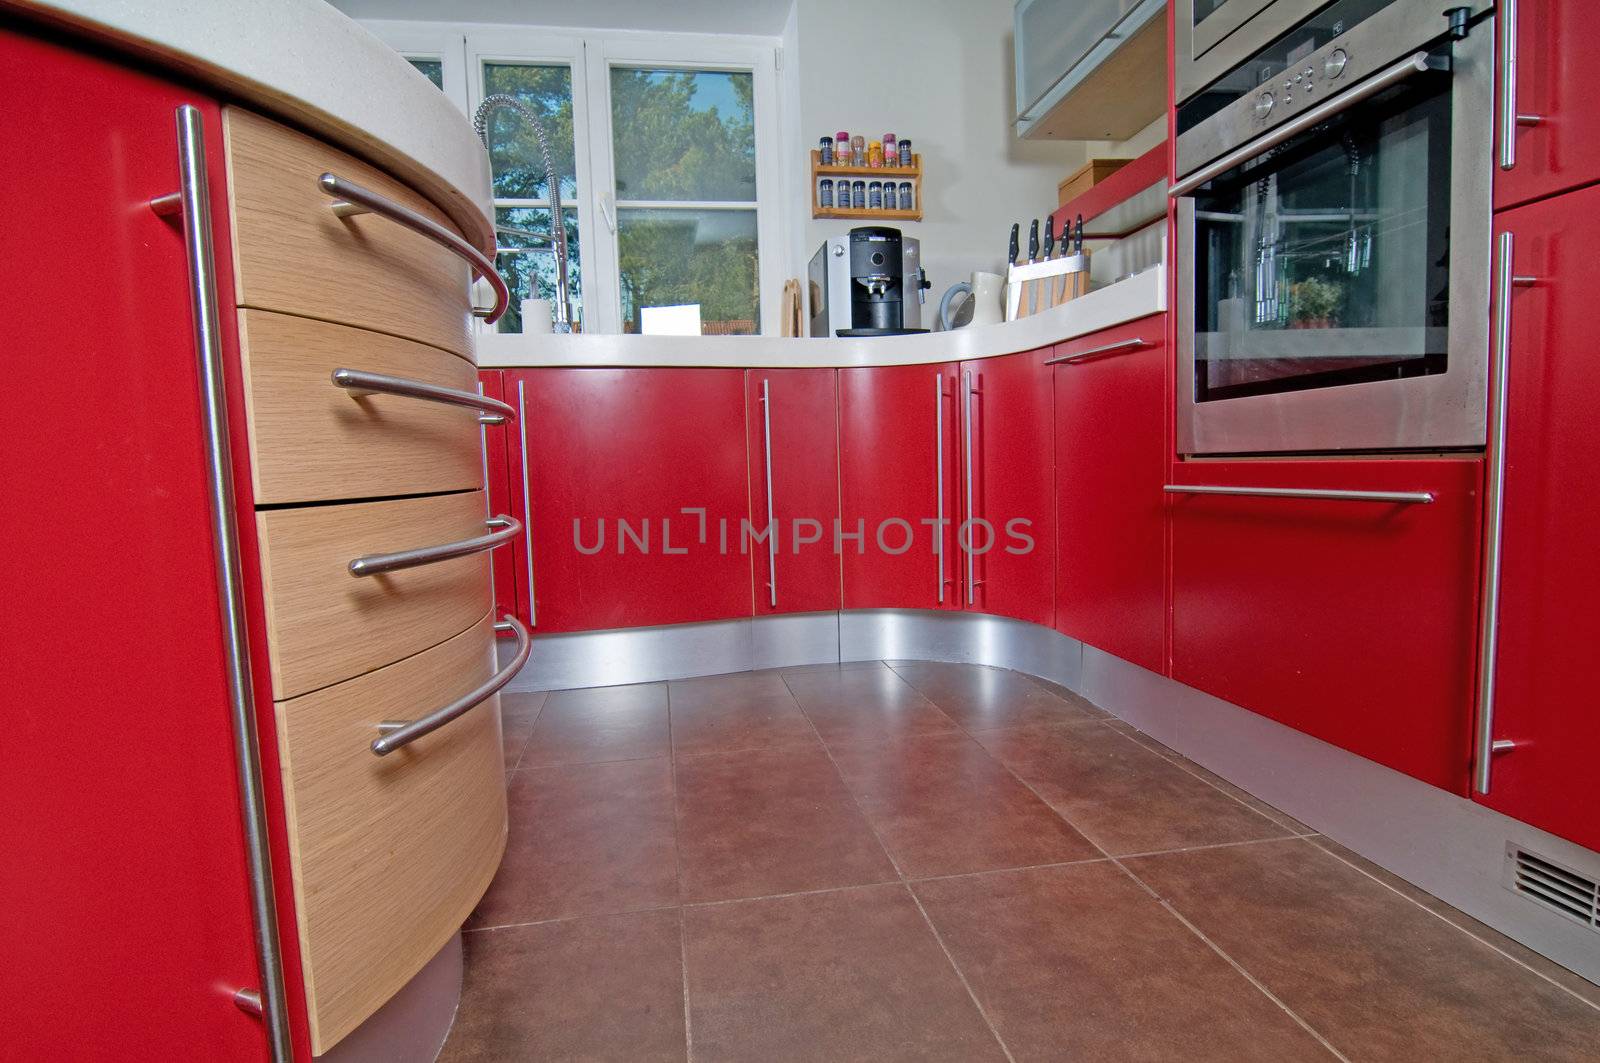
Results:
[1353, 621]
[1556, 50]
[124, 899]
[791, 416]
[502, 446]
[638, 494]
[1006, 545]
[1110, 464]
[898, 455]
[1547, 668]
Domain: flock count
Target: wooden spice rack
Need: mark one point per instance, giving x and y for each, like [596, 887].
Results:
[897, 174]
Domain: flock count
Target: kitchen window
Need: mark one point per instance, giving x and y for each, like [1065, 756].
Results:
[667, 149]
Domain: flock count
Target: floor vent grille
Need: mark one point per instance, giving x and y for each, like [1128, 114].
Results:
[1557, 888]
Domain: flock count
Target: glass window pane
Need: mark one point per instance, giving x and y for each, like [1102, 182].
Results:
[683, 134]
[514, 158]
[671, 257]
[432, 69]
[533, 275]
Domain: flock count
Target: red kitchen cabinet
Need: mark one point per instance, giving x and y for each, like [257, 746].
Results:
[1352, 621]
[899, 428]
[124, 898]
[1547, 669]
[638, 492]
[791, 420]
[1007, 552]
[502, 445]
[1556, 51]
[1110, 464]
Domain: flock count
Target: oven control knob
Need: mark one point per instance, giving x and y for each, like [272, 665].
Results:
[1334, 65]
[1264, 104]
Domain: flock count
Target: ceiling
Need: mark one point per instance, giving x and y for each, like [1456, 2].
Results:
[759, 17]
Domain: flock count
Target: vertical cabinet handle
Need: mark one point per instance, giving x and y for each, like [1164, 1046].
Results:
[968, 392]
[1510, 118]
[772, 536]
[527, 496]
[1487, 748]
[938, 477]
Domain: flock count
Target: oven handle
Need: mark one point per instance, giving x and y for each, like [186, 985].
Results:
[1412, 65]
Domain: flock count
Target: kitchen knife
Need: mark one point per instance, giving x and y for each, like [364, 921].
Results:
[1049, 246]
[1011, 259]
[1080, 280]
[1033, 256]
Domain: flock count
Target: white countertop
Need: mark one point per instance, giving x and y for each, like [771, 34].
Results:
[1127, 300]
[304, 61]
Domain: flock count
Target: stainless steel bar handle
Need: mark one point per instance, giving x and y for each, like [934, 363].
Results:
[1510, 119]
[967, 392]
[359, 382]
[483, 459]
[506, 529]
[527, 499]
[1419, 498]
[938, 477]
[1411, 65]
[1124, 347]
[194, 203]
[772, 535]
[351, 199]
[394, 734]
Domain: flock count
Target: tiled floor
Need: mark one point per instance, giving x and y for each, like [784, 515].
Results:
[948, 862]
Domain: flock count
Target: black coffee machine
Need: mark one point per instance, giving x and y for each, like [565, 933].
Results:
[880, 294]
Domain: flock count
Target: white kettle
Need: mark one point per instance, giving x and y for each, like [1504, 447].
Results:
[983, 292]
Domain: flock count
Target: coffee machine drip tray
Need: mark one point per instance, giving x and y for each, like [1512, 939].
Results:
[848, 333]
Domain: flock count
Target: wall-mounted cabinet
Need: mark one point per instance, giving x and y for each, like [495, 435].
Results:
[1093, 70]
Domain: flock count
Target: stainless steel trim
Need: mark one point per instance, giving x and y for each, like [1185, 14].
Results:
[772, 534]
[1410, 66]
[359, 382]
[938, 476]
[483, 460]
[507, 528]
[394, 734]
[967, 392]
[1399, 497]
[351, 199]
[196, 203]
[527, 498]
[1123, 347]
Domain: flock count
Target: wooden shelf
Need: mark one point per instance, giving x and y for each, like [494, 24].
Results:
[887, 174]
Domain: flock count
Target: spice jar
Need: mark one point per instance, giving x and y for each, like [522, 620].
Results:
[825, 193]
[841, 148]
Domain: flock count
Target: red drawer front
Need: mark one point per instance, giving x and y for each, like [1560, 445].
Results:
[800, 416]
[1557, 51]
[636, 447]
[1351, 621]
[1110, 458]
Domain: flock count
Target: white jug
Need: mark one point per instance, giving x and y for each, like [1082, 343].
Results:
[984, 293]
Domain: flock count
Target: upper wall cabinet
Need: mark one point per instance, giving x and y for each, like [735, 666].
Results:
[1091, 70]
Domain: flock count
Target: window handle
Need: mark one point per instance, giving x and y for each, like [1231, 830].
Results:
[605, 212]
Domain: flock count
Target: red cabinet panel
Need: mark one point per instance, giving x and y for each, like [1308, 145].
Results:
[1547, 668]
[898, 477]
[615, 458]
[1557, 50]
[791, 416]
[1007, 559]
[502, 445]
[1110, 464]
[123, 895]
[1351, 621]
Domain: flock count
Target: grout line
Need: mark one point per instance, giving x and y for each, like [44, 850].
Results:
[568, 918]
[961, 975]
[526, 742]
[677, 872]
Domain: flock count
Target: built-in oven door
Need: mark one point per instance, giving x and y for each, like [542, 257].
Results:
[1332, 290]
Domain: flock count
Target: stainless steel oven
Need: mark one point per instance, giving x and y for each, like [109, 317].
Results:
[1333, 231]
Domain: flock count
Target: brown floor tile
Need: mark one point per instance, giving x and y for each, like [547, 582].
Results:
[848, 975]
[1073, 696]
[1081, 963]
[1121, 795]
[585, 839]
[770, 821]
[517, 715]
[943, 806]
[1521, 953]
[981, 698]
[601, 988]
[865, 705]
[1294, 825]
[747, 710]
[598, 724]
[1373, 973]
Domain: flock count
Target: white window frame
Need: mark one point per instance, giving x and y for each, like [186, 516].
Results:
[591, 54]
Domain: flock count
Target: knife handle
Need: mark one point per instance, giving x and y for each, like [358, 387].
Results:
[1011, 254]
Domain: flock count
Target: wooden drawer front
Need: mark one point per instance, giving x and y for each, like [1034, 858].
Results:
[325, 625]
[311, 441]
[390, 853]
[292, 253]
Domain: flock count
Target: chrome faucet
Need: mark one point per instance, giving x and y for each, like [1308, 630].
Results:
[558, 229]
